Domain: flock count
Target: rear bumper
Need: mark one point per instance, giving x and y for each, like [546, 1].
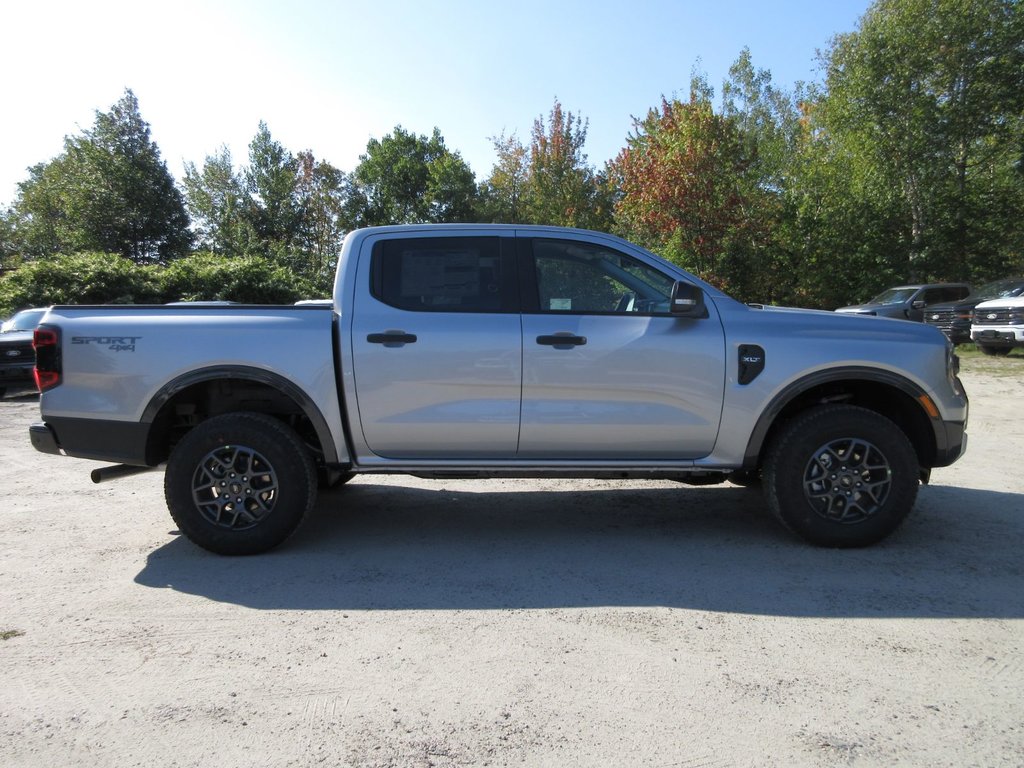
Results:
[43, 439]
[120, 442]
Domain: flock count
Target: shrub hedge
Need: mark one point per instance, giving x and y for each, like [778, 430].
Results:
[103, 278]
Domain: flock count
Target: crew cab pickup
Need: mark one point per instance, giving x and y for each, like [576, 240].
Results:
[465, 351]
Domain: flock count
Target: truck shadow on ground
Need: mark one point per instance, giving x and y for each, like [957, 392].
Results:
[390, 547]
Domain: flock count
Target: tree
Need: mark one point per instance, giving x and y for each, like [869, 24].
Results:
[685, 192]
[323, 195]
[503, 194]
[271, 180]
[927, 96]
[109, 191]
[561, 187]
[405, 179]
[218, 204]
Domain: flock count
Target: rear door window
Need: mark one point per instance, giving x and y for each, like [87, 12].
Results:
[452, 274]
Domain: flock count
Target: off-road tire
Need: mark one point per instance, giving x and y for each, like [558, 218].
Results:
[240, 483]
[841, 476]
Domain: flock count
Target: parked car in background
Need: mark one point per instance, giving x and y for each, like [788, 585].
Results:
[997, 326]
[17, 358]
[907, 302]
[954, 317]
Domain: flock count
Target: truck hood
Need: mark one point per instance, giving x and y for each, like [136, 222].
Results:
[1010, 301]
[860, 309]
[838, 325]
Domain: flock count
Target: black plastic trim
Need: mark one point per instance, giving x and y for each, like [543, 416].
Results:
[947, 443]
[121, 442]
[273, 380]
[43, 438]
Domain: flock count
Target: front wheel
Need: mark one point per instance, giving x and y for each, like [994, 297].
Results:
[240, 483]
[841, 476]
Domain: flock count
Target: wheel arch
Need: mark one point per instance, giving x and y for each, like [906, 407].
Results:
[191, 398]
[889, 394]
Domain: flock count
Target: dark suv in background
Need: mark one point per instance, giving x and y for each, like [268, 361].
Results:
[954, 317]
[17, 358]
[907, 302]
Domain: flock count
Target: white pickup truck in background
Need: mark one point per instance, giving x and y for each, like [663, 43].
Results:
[997, 325]
[499, 350]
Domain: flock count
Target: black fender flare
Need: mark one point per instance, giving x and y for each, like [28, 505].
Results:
[847, 373]
[247, 373]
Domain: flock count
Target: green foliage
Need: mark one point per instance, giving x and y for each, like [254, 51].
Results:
[560, 186]
[549, 182]
[100, 278]
[688, 191]
[82, 278]
[9, 246]
[407, 179]
[292, 209]
[217, 202]
[325, 200]
[270, 182]
[503, 194]
[245, 279]
[109, 191]
[926, 100]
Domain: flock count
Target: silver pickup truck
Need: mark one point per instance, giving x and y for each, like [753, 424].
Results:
[464, 351]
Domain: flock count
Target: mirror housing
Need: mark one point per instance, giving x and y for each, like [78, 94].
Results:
[919, 304]
[687, 300]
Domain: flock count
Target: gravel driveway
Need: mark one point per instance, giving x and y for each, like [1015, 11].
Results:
[538, 623]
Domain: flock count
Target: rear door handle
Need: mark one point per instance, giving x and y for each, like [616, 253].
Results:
[392, 338]
[562, 340]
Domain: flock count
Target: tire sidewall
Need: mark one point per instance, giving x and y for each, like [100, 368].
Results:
[797, 444]
[279, 445]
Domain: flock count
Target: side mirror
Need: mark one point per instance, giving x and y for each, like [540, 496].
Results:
[687, 300]
[919, 304]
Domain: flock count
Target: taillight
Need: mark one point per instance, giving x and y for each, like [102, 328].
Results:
[46, 342]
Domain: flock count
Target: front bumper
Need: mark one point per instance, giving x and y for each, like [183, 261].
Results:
[999, 335]
[17, 374]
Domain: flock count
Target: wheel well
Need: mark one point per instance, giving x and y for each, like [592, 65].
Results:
[890, 401]
[200, 401]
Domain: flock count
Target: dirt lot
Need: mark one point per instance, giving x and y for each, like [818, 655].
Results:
[566, 623]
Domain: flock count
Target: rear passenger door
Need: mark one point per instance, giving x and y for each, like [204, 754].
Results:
[437, 347]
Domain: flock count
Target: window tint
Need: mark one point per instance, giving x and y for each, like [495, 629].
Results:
[583, 278]
[452, 274]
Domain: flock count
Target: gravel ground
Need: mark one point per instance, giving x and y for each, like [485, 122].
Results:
[507, 623]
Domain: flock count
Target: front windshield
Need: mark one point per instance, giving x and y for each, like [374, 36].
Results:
[893, 296]
[26, 320]
[999, 289]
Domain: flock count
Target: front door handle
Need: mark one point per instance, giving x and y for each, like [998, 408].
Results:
[562, 340]
[392, 338]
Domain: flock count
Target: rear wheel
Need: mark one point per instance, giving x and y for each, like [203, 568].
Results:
[997, 350]
[841, 476]
[240, 483]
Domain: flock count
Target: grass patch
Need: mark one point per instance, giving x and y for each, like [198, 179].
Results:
[8, 634]
[973, 360]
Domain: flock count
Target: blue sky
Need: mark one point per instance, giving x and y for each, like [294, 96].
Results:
[328, 76]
